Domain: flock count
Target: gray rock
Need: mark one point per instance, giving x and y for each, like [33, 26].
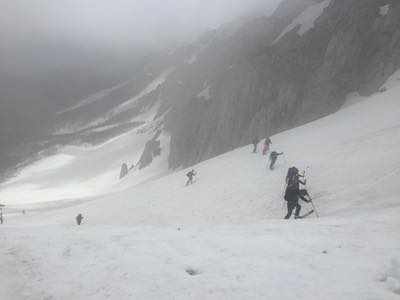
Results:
[151, 150]
[124, 171]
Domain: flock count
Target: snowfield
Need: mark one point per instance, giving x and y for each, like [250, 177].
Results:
[222, 237]
[82, 125]
[83, 172]
[148, 89]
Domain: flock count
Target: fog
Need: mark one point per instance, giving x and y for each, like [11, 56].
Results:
[55, 52]
[119, 22]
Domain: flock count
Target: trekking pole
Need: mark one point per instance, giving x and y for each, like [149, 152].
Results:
[313, 206]
[311, 201]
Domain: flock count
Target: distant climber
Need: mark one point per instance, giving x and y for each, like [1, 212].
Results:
[255, 144]
[1, 213]
[124, 171]
[190, 176]
[293, 192]
[273, 157]
[79, 219]
[266, 146]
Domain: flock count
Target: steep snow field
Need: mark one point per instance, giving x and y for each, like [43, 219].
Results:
[148, 89]
[81, 172]
[223, 237]
[87, 124]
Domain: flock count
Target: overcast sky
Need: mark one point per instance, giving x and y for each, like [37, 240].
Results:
[122, 22]
[56, 52]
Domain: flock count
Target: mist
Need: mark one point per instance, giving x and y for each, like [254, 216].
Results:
[53, 53]
[121, 22]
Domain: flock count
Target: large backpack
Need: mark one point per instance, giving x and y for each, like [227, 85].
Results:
[292, 177]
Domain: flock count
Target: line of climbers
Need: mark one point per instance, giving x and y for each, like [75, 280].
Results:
[293, 192]
[265, 149]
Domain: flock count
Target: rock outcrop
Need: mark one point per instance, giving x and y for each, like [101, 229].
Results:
[124, 171]
[151, 150]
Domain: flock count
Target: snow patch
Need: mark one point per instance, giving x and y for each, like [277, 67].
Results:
[383, 10]
[148, 89]
[205, 93]
[69, 129]
[104, 128]
[191, 60]
[306, 19]
[44, 166]
[92, 98]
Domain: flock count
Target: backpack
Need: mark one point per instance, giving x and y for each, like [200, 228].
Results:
[292, 177]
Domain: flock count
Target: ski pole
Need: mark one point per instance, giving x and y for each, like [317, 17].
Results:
[315, 210]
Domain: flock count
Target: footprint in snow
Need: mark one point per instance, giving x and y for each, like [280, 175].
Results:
[392, 277]
[192, 272]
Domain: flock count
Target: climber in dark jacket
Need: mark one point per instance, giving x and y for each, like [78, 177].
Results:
[190, 176]
[79, 219]
[273, 157]
[293, 178]
[293, 193]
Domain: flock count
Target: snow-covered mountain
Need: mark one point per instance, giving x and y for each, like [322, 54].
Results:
[321, 77]
[222, 237]
[254, 76]
[275, 73]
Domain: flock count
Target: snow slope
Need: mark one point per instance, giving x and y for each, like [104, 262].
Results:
[95, 124]
[83, 172]
[224, 237]
[148, 89]
[92, 98]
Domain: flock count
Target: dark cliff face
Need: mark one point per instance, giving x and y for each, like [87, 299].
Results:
[151, 150]
[246, 82]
